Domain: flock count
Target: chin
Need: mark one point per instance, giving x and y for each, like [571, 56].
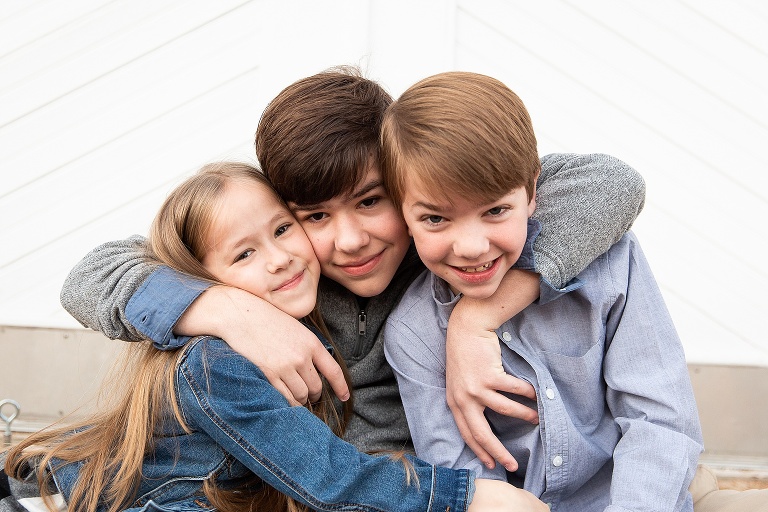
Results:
[298, 310]
[366, 289]
[478, 293]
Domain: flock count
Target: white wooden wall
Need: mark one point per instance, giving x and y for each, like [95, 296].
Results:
[105, 105]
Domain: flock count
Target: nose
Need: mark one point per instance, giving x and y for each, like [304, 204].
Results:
[350, 234]
[277, 258]
[470, 243]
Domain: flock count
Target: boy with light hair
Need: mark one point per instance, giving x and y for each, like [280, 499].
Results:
[618, 427]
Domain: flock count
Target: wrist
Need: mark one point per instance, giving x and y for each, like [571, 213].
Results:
[219, 311]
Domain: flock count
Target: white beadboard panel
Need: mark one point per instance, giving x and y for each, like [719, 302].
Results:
[676, 94]
[105, 105]
[106, 109]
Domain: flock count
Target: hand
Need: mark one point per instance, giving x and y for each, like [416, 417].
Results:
[473, 375]
[288, 353]
[473, 370]
[498, 496]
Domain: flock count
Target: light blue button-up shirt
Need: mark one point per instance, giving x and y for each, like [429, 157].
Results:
[619, 429]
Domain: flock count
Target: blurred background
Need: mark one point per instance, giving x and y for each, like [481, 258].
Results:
[105, 105]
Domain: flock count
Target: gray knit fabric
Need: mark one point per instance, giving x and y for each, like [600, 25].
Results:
[98, 288]
[584, 211]
[585, 203]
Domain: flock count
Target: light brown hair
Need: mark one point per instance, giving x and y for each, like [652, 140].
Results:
[315, 140]
[112, 444]
[459, 134]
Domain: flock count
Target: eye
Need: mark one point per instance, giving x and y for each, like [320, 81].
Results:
[282, 229]
[368, 202]
[433, 220]
[315, 217]
[244, 255]
[497, 210]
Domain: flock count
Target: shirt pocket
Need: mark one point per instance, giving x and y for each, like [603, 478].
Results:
[579, 383]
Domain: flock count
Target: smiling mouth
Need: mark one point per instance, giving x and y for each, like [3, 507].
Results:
[363, 267]
[291, 283]
[474, 270]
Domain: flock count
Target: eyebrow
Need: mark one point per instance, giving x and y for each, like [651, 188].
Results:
[244, 240]
[429, 206]
[365, 189]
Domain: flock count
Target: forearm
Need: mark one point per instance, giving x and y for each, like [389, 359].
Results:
[518, 289]
[228, 313]
[585, 204]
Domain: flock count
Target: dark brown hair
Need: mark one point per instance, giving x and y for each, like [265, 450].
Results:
[316, 139]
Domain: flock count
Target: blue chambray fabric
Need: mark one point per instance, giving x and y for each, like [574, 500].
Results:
[618, 429]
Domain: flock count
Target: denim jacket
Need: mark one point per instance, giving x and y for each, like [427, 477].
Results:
[239, 424]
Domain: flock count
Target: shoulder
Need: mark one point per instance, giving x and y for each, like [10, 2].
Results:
[417, 323]
[613, 271]
[416, 300]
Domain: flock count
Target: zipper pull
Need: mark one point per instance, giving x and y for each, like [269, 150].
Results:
[361, 323]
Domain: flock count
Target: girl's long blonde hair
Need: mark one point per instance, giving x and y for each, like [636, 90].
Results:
[111, 445]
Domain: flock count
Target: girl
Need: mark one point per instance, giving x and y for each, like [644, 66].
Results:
[202, 427]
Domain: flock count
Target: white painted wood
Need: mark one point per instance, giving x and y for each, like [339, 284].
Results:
[105, 105]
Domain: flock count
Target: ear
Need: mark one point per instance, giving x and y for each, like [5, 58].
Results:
[532, 202]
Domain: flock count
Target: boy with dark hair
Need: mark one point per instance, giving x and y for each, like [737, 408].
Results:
[318, 142]
[618, 426]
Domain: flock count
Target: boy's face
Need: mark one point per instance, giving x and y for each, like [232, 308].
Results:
[359, 238]
[470, 246]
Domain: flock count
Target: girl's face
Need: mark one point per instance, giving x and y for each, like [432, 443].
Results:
[255, 244]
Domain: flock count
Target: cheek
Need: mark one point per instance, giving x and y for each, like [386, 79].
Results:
[389, 225]
[429, 246]
[321, 246]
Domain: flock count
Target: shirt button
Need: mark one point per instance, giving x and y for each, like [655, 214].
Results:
[550, 393]
[507, 336]
[557, 461]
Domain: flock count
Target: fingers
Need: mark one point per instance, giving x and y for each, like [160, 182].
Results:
[466, 434]
[291, 390]
[511, 384]
[332, 372]
[310, 384]
[481, 439]
[508, 407]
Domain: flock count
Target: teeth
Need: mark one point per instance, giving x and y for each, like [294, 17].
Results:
[472, 270]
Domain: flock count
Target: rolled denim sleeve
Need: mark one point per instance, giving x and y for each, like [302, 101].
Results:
[224, 395]
[585, 204]
[159, 303]
[118, 290]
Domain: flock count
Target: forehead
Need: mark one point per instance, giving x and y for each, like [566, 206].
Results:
[245, 205]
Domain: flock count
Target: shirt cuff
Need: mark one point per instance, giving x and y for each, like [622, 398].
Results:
[159, 303]
[459, 484]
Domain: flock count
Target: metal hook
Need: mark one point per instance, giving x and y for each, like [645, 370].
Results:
[8, 419]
